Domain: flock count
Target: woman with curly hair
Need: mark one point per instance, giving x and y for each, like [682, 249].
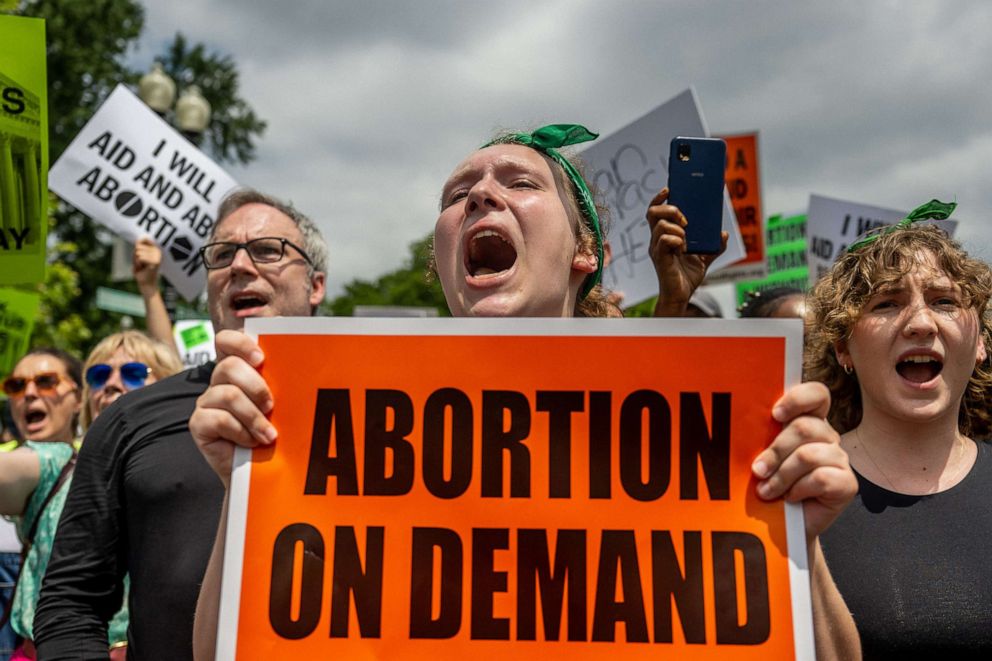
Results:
[899, 330]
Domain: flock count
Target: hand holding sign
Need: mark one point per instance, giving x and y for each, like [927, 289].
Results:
[679, 273]
[232, 410]
[805, 461]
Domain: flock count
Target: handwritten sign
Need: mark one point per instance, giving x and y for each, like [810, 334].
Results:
[23, 150]
[744, 187]
[455, 489]
[630, 167]
[131, 171]
[834, 224]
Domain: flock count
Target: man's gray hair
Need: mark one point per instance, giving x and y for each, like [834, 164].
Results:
[313, 242]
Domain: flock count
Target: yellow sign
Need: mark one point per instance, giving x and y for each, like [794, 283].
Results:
[23, 150]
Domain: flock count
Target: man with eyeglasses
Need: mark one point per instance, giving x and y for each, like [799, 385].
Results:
[143, 501]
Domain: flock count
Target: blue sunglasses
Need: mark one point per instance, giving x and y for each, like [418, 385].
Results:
[133, 375]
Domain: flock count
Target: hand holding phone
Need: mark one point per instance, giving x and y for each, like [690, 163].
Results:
[696, 182]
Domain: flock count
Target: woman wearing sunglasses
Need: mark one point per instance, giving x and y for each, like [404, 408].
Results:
[47, 395]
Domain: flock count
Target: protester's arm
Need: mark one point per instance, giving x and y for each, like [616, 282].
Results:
[679, 274]
[147, 260]
[231, 412]
[836, 634]
[806, 464]
[83, 585]
[19, 474]
[208, 603]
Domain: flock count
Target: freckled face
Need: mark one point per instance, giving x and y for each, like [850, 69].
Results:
[915, 347]
[504, 243]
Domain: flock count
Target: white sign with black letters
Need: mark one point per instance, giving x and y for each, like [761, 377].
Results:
[131, 171]
[832, 225]
[629, 167]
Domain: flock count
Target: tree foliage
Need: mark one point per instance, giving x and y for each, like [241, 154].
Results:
[409, 285]
[234, 125]
[87, 44]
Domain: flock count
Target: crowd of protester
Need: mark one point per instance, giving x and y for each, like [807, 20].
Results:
[884, 444]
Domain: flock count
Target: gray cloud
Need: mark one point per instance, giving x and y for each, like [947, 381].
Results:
[370, 105]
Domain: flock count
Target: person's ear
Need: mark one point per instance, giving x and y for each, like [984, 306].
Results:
[843, 355]
[317, 288]
[584, 261]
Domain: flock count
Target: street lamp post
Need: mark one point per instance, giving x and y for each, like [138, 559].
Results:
[191, 118]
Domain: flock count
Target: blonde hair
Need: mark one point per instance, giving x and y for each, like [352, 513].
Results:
[162, 360]
[838, 299]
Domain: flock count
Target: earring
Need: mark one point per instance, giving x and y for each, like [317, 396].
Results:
[848, 369]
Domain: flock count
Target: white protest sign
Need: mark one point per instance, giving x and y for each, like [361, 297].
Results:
[195, 341]
[629, 167]
[832, 225]
[131, 171]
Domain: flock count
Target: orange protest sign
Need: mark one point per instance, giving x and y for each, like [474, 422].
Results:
[744, 187]
[557, 488]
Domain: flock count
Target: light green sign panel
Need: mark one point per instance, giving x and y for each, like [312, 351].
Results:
[23, 150]
[124, 302]
[195, 335]
[785, 251]
[18, 310]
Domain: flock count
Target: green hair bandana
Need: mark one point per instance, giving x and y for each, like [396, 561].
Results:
[546, 140]
[932, 210]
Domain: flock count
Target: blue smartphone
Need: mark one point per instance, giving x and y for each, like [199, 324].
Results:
[695, 185]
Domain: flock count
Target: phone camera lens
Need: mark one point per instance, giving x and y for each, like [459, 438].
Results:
[684, 152]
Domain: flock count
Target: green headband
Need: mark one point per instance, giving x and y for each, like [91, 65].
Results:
[545, 140]
[932, 210]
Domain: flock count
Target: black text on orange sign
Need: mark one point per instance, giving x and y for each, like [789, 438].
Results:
[505, 431]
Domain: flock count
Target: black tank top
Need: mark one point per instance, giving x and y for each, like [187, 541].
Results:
[916, 571]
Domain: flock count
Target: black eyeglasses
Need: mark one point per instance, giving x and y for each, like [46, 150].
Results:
[264, 250]
[133, 375]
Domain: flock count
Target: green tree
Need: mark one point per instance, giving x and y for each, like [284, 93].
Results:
[88, 44]
[409, 285]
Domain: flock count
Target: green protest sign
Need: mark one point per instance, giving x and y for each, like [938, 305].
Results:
[23, 150]
[18, 310]
[785, 251]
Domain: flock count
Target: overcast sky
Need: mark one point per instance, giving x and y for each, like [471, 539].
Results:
[370, 105]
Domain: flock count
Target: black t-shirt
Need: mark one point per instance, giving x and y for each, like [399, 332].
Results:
[144, 502]
[915, 570]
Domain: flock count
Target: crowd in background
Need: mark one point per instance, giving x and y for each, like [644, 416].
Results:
[898, 334]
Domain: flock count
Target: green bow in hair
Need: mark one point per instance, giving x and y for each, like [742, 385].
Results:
[546, 140]
[932, 210]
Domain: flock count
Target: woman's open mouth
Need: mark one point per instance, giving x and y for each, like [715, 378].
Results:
[34, 420]
[489, 254]
[919, 369]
